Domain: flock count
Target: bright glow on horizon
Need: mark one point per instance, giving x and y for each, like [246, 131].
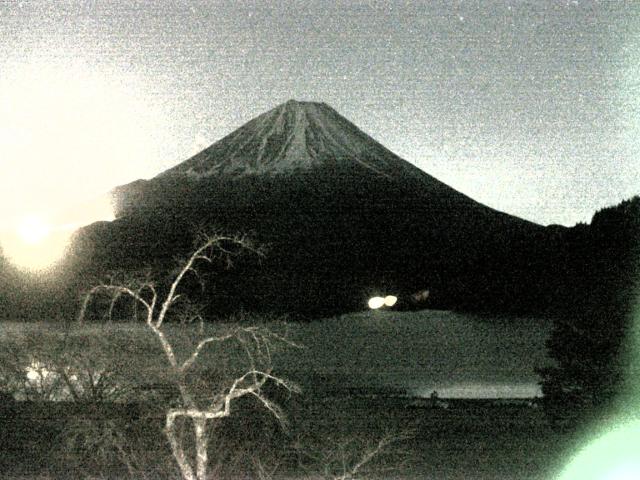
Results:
[37, 242]
[68, 130]
[33, 229]
[34, 251]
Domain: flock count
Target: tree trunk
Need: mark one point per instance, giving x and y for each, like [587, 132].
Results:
[177, 450]
[202, 441]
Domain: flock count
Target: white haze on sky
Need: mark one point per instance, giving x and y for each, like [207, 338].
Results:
[532, 108]
[69, 133]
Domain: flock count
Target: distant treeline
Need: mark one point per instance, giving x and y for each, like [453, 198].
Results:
[598, 285]
[574, 272]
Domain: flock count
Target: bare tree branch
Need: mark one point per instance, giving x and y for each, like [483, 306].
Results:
[348, 459]
[203, 343]
[256, 343]
[198, 254]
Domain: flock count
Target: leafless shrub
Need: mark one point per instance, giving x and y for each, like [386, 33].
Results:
[353, 457]
[49, 366]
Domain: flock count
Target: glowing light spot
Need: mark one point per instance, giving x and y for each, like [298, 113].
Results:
[34, 244]
[390, 300]
[613, 456]
[37, 372]
[33, 229]
[69, 129]
[376, 302]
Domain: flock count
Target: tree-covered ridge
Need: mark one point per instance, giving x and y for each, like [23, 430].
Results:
[599, 283]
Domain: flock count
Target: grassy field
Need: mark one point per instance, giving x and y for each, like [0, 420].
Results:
[337, 417]
[467, 442]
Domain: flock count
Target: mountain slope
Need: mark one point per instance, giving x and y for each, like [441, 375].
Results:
[342, 216]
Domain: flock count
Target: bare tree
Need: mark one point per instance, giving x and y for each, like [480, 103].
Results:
[255, 342]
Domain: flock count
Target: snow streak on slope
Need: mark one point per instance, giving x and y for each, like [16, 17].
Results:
[294, 136]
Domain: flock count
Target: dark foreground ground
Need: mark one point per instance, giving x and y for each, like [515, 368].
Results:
[467, 440]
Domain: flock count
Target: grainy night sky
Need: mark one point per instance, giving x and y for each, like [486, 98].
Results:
[532, 108]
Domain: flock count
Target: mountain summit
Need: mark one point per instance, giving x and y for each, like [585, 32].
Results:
[343, 218]
[291, 137]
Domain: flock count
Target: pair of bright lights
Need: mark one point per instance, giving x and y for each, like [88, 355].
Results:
[379, 302]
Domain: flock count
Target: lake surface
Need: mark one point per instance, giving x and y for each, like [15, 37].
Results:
[459, 355]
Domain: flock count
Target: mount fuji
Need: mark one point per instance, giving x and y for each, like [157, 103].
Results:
[342, 218]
